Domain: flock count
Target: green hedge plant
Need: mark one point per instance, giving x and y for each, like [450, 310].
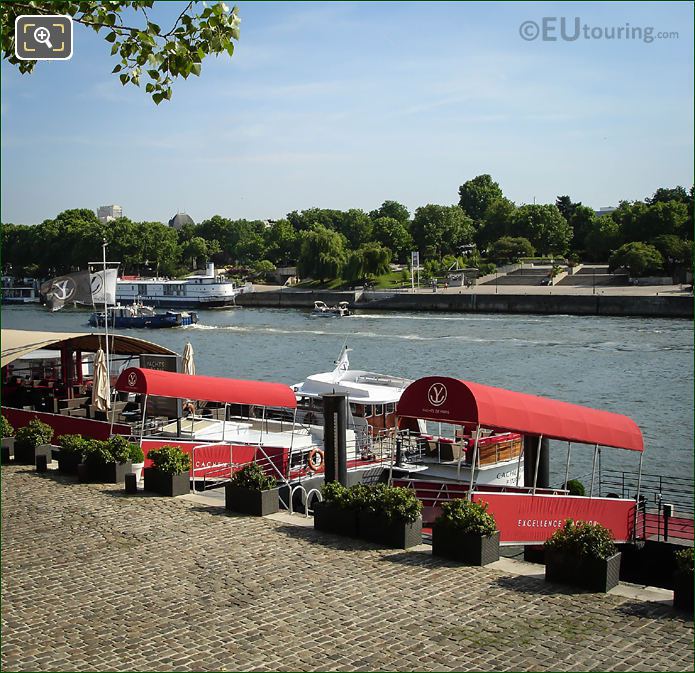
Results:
[170, 460]
[575, 487]
[72, 443]
[6, 428]
[33, 434]
[136, 453]
[467, 517]
[252, 477]
[684, 560]
[582, 539]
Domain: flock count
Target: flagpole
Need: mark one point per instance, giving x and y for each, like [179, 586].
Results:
[106, 315]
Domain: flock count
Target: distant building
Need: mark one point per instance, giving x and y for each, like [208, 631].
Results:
[180, 219]
[109, 213]
[606, 210]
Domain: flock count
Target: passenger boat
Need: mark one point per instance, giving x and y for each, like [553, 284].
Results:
[24, 291]
[322, 310]
[208, 290]
[137, 315]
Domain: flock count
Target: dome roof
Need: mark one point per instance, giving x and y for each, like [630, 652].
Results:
[180, 219]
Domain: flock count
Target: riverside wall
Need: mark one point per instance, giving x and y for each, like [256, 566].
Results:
[604, 305]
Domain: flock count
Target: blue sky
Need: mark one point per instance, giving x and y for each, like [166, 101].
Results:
[342, 105]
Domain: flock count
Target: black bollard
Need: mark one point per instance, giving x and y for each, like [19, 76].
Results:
[82, 473]
[334, 437]
[131, 483]
[41, 463]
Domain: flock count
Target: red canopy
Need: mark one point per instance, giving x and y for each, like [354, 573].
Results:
[440, 398]
[207, 388]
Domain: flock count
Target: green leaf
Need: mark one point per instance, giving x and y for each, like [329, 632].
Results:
[168, 93]
[117, 68]
[124, 78]
[157, 98]
[111, 37]
[154, 74]
[114, 49]
[195, 69]
[149, 87]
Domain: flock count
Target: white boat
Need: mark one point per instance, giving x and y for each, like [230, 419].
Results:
[322, 310]
[24, 291]
[208, 290]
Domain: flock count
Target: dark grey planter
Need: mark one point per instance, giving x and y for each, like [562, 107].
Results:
[26, 455]
[683, 591]
[389, 533]
[599, 575]
[7, 449]
[166, 484]
[470, 548]
[68, 462]
[109, 473]
[329, 518]
[255, 503]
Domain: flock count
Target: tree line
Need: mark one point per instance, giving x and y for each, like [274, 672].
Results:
[651, 235]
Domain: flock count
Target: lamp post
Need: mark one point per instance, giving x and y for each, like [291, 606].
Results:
[593, 280]
[495, 281]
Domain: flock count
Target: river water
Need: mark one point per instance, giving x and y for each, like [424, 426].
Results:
[635, 366]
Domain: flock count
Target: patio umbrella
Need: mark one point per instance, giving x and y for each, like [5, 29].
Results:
[101, 388]
[187, 361]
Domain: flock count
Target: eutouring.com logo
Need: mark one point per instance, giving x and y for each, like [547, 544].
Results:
[565, 29]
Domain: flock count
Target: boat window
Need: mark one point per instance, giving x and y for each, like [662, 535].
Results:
[367, 410]
[353, 409]
[142, 289]
[390, 408]
[378, 409]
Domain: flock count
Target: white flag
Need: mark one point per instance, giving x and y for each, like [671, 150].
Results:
[104, 286]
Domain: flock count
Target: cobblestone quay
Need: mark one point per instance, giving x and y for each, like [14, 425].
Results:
[94, 580]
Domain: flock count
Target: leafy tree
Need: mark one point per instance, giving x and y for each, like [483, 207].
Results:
[377, 259]
[566, 206]
[639, 221]
[441, 229]
[666, 194]
[160, 247]
[509, 249]
[325, 217]
[675, 251]
[602, 238]
[394, 235]
[477, 194]
[322, 253]
[581, 220]
[638, 258]
[356, 226]
[544, 227]
[392, 209]
[197, 248]
[263, 268]
[144, 49]
[496, 223]
[282, 242]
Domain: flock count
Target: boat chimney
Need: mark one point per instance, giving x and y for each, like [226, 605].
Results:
[210, 270]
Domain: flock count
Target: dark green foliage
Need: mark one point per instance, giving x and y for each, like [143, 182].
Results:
[509, 249]
[393, 502]
[582, 539]
[684, 560]
[170, 460]
[575, 487]
[253, 477]
[72, 443]
[467, 517]
[144, 49]
[34, 434]
[136, 454]
[639, 259]
[6, 428]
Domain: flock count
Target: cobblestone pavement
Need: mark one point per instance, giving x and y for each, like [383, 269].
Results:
[93, 579]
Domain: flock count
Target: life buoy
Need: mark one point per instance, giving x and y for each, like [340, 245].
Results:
[315, 459]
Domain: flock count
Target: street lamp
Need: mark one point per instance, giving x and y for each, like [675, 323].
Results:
[495, 281]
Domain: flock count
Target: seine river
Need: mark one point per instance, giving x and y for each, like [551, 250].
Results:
[634, 366]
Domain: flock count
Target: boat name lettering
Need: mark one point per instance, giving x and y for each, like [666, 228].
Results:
[437, 412]
[505, 475]
[542, 523]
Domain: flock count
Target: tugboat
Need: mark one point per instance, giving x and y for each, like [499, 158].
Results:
[139, 315]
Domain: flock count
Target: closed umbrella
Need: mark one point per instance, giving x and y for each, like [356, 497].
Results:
[101, 388]
[187, 361]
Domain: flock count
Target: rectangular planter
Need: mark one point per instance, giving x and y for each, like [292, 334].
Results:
[68, 462]
[329, 518]
[397, 534]
[255, 503]
[7, 449]
[166, 484]
[683, 591]
[27, 455]
[586, 573]
[470, 548]
[109, 473]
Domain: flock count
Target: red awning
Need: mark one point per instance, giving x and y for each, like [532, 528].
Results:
[440, 398]
[207, 388]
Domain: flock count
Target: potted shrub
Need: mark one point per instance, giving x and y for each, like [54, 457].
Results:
[389, 515]
[72, 450]
[584, 555]
[683, 580]
[466, 532]
[337, 512]
[169, 472]
[33, 440]
[7, 440]
[137, 459]
[251, 491]
[109, 460]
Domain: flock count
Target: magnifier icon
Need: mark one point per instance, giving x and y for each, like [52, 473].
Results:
[43, 36]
